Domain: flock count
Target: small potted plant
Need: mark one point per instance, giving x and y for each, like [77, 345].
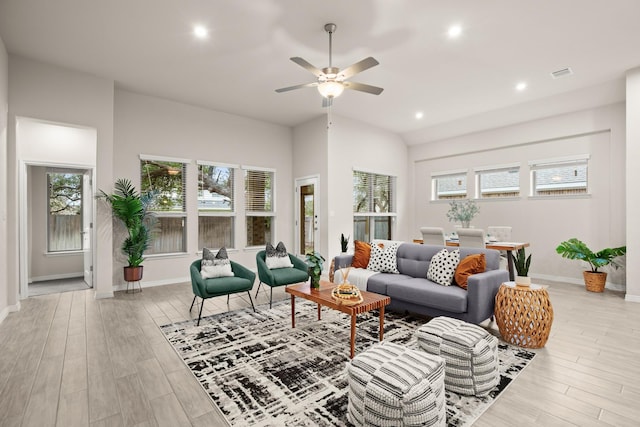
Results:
[462, 211]
[344, 243]
[130, 207]
[522, 262]
[594, 280]
[314, 261]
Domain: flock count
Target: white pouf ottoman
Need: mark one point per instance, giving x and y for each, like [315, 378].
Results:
[390, 385]
[470, 354]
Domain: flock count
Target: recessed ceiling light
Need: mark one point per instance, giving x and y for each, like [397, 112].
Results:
[419, 115]
[200, 32]
[454, 31]
[521, 86]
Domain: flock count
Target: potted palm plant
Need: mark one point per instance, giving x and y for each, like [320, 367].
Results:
[594, 280]
[130, 208]
[522, 262]
[315, 261]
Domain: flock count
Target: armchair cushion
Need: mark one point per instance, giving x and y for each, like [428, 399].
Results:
[215, 266]
[277, 257]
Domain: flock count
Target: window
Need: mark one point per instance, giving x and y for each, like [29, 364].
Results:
[449, 185]
[559, 177]
[64, 226]
[498, 181]
[167, 178]
[260, 211]
[373, 205]
[216, 207]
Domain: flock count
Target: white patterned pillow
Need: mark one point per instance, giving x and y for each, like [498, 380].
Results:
[384, 257]
[277, 257]
[443, 267]
[215, 266]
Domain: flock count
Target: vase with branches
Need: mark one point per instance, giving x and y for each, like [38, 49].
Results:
[462, 211]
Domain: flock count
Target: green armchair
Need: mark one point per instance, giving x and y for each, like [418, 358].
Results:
[242, 281]
[280, 276]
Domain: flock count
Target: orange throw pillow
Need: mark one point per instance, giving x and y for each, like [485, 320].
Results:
[361, 254]
[472, 264]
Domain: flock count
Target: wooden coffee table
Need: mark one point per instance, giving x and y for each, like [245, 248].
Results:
[323, 297]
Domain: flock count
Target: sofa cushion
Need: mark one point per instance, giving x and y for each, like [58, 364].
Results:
[384, 257]
[472, 264]
[361, 254]
[443, 267]
[380, 282]
[429, 294]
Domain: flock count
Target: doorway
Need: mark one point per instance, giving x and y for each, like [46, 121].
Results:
[307, 209]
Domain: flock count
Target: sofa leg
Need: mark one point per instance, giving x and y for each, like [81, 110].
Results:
[193, 302]
[200, 315]
[258, 290]
[252, 306]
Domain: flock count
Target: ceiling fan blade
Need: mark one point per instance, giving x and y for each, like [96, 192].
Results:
[374, 90]
[327, 102]
[287, 89]
[307, 66]
[358, 67]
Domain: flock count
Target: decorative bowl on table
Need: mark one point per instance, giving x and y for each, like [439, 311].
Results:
[347, 294]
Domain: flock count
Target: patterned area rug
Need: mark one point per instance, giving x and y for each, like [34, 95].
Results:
[261, 372]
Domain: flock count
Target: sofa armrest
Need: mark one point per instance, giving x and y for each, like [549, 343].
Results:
[342, 261]
[482, 289]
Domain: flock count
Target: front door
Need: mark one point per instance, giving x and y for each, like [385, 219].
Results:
[87, 225]
[307, 224]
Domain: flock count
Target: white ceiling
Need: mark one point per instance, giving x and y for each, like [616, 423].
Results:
[461, 85]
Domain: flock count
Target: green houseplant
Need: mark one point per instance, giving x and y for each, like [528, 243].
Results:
[594, 279]
[315, 261]
[131, 209]
[462, 211]
[344, 243]
[522, 262]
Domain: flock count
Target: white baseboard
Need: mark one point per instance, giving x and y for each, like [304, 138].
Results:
[9, 309]
[577, 281]
[632, 298]
[101, 295]
[56, 277]
[152, 283]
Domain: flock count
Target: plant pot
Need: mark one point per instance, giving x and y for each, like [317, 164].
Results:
[315, 282]
[523, 281]
[594, 282]
[133, 274]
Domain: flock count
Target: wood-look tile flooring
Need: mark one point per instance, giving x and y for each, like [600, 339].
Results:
[70, 360]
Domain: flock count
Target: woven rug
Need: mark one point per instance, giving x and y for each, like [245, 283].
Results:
[261, 372]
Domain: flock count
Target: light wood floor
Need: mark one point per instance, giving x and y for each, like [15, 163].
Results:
[70, 360]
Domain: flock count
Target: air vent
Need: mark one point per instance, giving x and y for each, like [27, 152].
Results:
[562, 73]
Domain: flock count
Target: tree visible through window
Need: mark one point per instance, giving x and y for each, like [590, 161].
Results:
[216, 210]
[373, 205]
[65, 212]
[258, 194]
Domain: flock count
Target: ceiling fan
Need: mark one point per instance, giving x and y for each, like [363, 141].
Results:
[331, 81]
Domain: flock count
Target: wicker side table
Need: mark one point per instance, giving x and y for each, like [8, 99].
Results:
[524, 314]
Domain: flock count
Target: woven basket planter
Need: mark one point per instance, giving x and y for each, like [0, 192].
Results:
[594, 282]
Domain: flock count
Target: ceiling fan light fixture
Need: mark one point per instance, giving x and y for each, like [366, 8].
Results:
[331, 89]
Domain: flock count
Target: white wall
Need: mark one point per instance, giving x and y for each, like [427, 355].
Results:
[5, 301]
[47, 92]
[359, 146]
[599, 220]
[153, 126]
[633, 176]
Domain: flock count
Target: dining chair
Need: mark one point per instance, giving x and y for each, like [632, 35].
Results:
[471, 237]
[433, 236]
[500, 233]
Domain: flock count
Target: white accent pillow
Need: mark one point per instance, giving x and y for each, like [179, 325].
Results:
[384, 257]
[215, 266]
[443, 267]
[277, 257]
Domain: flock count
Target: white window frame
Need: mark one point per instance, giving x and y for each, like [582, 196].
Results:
[391, 213]
[480, 171]
[445, 174]
[234, 202]
[259, 213]
[559, 162]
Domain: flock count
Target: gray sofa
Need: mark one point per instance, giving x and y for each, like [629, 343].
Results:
[412, 291]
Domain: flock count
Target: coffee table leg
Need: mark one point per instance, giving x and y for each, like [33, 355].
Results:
[381, 323]
[293, 311]
[319, 311]
[353, 334]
